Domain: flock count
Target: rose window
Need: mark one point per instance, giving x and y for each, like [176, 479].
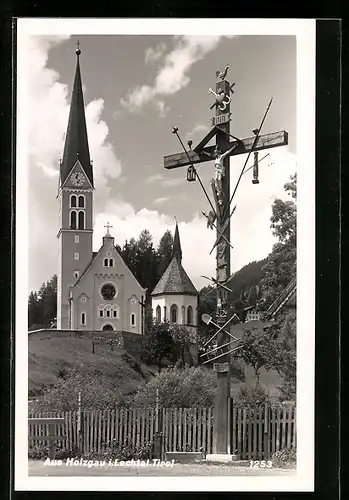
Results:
[108, 291]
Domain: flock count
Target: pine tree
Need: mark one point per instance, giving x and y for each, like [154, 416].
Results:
[164, 253]
[42, 305]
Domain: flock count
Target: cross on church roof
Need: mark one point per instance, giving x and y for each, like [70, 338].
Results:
[108, 226]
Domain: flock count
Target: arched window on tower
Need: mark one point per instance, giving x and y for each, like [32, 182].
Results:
[81, 220]
[73, 220]
[183, 315]
[158, 314]
[165, 313]
[173, 313]
[81, 201]
[189, 315]
[73, 201]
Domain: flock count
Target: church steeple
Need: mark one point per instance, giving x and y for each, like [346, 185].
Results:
[76, 142]
[177, 249]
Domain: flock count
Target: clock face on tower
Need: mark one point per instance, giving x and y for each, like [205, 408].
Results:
[78, 179]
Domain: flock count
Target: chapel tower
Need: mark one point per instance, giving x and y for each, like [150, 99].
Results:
[75, 196]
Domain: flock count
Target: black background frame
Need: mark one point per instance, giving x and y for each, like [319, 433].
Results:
[329, 227]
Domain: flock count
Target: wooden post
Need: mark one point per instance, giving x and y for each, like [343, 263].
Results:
[266, 433]
[222, 401]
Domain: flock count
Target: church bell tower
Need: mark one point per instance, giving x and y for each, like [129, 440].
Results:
[75, 196]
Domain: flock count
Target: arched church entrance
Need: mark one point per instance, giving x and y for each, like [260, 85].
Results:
[108, 327]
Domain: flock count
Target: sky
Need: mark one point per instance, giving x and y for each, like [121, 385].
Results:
[136, 88]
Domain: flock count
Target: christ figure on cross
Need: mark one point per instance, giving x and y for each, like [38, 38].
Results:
[220, 172]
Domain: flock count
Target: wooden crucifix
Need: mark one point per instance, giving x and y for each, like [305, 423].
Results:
[220, 155]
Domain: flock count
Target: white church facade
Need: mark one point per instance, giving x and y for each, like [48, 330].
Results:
[95, 290]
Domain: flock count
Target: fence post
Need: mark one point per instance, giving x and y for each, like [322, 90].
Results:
[158, 438]
[79, 436]
[266, 433]
[51, 442]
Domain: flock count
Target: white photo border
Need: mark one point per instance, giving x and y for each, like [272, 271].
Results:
[304, 30]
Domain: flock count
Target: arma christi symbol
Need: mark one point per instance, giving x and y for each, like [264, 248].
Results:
[222, 99]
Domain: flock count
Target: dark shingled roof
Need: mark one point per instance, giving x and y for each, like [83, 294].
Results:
[76, 142]
[286, 295]
[175, 280]
[177, 249]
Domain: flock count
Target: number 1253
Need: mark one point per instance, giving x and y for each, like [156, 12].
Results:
[262, 464]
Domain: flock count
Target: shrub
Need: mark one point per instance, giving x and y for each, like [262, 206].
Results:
[252, 397]
[285, 457]
[127, 450]
[63, 396]
[181, 388]
[40, 451]
[113, 449]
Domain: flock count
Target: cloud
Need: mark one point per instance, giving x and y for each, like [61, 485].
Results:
[198, 129]
[172, 182]
[153, 55]
[162, 108]
[173, 74]
[48, 109]
[154, 178]
[164, 182]
[160, 201]
[196, 240]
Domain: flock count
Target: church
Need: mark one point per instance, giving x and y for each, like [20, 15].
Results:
[96, 291]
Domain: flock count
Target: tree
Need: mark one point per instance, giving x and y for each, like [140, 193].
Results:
[164, 252]
[280, 265]
[182, 338]
[252, 296]
[33, 309]
[285, 358]
[42, 305]
[148, 318]
[273, 348]
[259, 349]
[158, 345]
[207, 305]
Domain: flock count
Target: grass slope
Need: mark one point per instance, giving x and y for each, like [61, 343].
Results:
[50, 356]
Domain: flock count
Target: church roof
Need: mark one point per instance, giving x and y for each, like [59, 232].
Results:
[76, 141]
[177, 249]
[287, 295]
[175, 280]
[94, 255]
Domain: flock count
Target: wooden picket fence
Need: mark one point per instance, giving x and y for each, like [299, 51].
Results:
[255, 434]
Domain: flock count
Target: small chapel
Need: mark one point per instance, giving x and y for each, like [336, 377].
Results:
[175, 298]
[95, 290]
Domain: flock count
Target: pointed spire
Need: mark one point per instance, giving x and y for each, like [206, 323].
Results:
[76, 141]
[177, 249]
